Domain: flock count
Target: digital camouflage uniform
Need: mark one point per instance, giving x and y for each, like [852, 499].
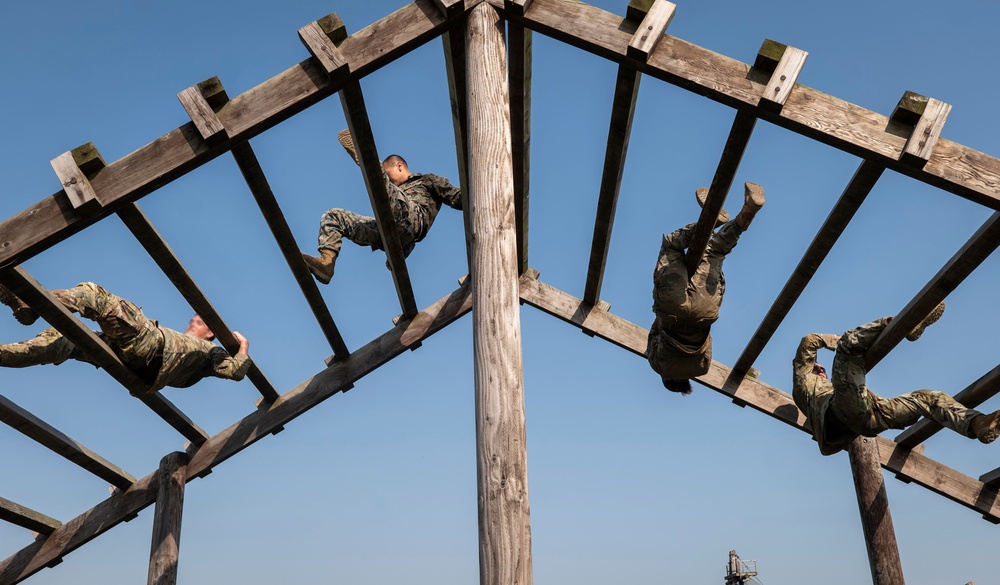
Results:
[415, 204]
[158, 355]
[679, 346]
[842, 408]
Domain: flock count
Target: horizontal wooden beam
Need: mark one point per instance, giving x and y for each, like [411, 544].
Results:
[237, 437]
[908, 465]
[832, 121]
[59, 317]
[180, 151]
[356, 113]
[158, 249]
[962, 264]
[971, 396]
[850, 201]
[27, 518]
[48, 436]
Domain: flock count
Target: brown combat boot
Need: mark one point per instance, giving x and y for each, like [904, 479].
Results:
[344, 136]
[24, 314]
[986, 427]
[322, 267]
[701, 194]
[929, 320]
[753, 200]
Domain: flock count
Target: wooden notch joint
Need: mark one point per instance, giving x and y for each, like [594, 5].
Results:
[450, 8]
[322, 38]
[638, 9]
[202, 103]
[516, 7]
[783, 63]
[74, 170]
[927, 117]
[651, 29]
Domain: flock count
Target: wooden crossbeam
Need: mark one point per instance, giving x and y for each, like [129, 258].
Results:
[971, 396]
[519, 45]
[784, 64]
[907, 464]
[322, 44]
[962, 264]
[925, 118]
[27, 518]
[59, 317]
[453, 43]
[48, 436]
[158, 249]
[240, 435]
[76, 186]
[269, 208]
[854, 195]
[650, 30]
[356, 113]
[732, 154]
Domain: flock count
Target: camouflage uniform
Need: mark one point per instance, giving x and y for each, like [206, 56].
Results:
[842, 408]
[158, 355]
[679, 346]
[415, 204]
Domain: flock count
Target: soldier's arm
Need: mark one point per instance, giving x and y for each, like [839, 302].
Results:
[233, 367]
[443, 190]
[805, 355]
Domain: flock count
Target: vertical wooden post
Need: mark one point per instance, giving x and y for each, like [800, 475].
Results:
[501, 453]
[876, 520]
[167, 520]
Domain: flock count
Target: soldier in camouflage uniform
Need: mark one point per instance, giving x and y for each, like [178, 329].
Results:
[843, 408]
[679, 346]
[415, 200]
[159, 356]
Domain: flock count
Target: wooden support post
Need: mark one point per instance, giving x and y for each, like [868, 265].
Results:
[962, 264]
[925, 118]
[876, 521]
[158, 249]
[783, 64]
[39, 299]
[49, 437]
[972, 396]
[163, 554]
[854, 195]
[453, 42]
[732, 154]
[520, 40]
[356, 113]
[27, 518]
[502, 460]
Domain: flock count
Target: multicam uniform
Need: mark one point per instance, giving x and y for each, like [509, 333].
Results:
[841, 408]
[415, 204]
[679, 346]
[158, 355]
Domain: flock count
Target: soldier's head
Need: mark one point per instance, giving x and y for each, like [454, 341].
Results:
[819, 370]
[197, 328]
[679, 386]
[396, 168]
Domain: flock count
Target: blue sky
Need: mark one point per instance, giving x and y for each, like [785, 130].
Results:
[628, 483]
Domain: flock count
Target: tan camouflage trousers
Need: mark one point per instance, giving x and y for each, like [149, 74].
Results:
[336, 224]
[124, 327]
[857, 408]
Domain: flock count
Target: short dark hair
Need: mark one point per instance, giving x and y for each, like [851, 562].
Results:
[394, 158]
[679, 386]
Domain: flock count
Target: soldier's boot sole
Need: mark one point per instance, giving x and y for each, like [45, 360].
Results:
[986, 427]
[929, 320]
[24, 314]
[347, 141]
[321, 268]
[701, 194]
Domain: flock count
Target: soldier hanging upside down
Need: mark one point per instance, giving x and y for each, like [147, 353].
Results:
[680, 344]
[843, 408]
[159, 356]
[415, 200]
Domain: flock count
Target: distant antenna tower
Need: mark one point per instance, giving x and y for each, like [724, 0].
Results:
[740, 572]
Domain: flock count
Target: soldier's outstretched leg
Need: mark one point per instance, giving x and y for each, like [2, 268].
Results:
[48, 347]
[335, 225]
[903, 411]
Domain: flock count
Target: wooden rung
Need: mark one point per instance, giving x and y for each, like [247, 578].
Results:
[201, 113]
[651, 29]
[517, 7]
[450, 8]
[783, 75]
[75, 184]
[324, 49]
[27, 518]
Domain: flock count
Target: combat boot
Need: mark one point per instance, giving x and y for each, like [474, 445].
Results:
[986, 427]
[929, 320]
[753, 200]
[701, 194]
[344, 136]
[322, 267]
[24, 314]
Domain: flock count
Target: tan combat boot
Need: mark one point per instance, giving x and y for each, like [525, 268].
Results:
[986, 427]
[322, 267]
[344, 136]
[701, 194]
[753, 200]
[24, 314]
[929, 320]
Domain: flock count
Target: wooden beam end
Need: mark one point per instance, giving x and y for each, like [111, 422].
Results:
[213, 92]
[450, 8]
[333, 27]
[769, 55]
[909, 109]
[637, 9]
[88, 159]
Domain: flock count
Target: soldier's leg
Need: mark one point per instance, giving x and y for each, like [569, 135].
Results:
[673, 246]
[902, 411]
[852, 401]
[48, 347]
[119, 319]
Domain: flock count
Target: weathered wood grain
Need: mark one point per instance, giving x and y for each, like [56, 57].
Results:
[27, 518]
[926, 133]
[48, 436]
[77, 188]
[323, 49]
[876, 519]
[501, 450]
[783, 79]
[167, 516]
[651, 29]
[208, 124]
